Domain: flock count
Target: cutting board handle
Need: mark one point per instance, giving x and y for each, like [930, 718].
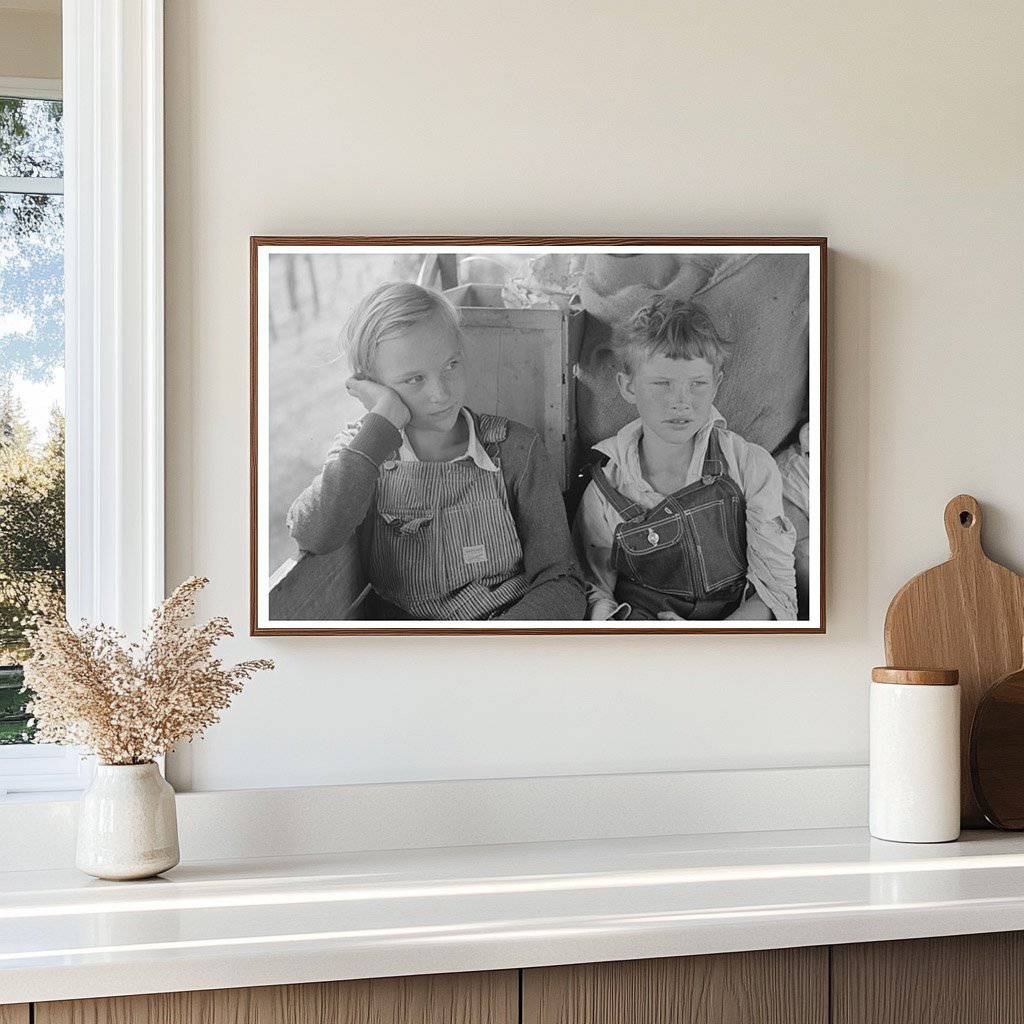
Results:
[963, 527]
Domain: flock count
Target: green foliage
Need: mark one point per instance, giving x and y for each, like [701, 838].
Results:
[31, 542]
[14, 727]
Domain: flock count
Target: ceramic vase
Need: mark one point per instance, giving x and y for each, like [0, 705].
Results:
[127, 825]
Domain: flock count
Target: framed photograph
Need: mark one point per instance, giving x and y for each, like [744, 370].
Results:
[537, 435]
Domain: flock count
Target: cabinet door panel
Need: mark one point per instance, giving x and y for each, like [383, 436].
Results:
[960, 979]
[14, 1013]
[477, 998]
[779, 986]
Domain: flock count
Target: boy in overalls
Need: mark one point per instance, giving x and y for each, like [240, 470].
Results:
[685, 518]
[457, 514]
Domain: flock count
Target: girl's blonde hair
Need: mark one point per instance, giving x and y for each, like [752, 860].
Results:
[385, 313]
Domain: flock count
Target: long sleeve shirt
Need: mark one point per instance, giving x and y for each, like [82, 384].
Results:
[335, 506]
[770, 535]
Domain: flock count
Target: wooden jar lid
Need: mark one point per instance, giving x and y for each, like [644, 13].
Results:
[916, 676]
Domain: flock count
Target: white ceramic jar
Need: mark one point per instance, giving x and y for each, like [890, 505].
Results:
[915, 755]
[127, 824]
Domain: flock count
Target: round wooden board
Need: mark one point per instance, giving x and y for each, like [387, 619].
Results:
[997, 753]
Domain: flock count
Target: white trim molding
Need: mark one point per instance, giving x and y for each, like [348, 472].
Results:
[42, 771]
[318, 820]
[113, 115]
[31, 88]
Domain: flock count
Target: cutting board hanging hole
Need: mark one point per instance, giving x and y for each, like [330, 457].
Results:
[963, 526]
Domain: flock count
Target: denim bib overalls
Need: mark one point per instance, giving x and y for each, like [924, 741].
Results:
[444, 543]
[686, 555]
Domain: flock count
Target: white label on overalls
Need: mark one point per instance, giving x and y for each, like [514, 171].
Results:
[474, 555]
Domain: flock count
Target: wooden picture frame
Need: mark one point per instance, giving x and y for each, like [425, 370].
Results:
[292, 595]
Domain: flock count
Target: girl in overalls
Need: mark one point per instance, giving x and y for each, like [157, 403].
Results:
[684, 519]
[458, 514]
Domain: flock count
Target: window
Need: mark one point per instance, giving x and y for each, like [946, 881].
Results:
[31, 379]
[112, 120]
[31, 403]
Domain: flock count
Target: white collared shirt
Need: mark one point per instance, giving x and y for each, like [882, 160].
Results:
[474, 449]
[770, 535]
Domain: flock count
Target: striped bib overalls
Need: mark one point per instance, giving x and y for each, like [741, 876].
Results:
[443, 542]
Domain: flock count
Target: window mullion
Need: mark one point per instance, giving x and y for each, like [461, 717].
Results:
[32, 186]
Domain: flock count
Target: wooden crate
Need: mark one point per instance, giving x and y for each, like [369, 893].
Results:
[521, 364]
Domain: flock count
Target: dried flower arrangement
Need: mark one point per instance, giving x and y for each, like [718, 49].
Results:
[128, 703]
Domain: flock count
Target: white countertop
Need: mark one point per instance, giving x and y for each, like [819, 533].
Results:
[223, 924]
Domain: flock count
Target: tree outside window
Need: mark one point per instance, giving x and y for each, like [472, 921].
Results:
[31, 385]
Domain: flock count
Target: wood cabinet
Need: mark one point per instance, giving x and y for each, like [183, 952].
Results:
[776, 986]
[970, 979]
[477, 998]
[962, 979]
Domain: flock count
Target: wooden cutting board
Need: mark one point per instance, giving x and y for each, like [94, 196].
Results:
[967, 614]
[997, 752]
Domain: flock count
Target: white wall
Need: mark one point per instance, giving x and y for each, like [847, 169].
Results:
[895, 129]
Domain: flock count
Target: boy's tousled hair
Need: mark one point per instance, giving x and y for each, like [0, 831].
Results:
[386, 312]
[672, 327]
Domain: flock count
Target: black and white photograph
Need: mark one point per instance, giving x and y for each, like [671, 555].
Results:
[473, 435]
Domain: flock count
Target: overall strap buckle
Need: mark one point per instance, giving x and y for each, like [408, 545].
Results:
[714, 461]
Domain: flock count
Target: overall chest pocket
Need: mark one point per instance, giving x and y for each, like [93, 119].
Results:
[718, 529]
[657, 554]
[405, 554]
[480, 543]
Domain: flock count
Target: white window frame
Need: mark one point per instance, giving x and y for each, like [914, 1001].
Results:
[114, 329]
[31, 88]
